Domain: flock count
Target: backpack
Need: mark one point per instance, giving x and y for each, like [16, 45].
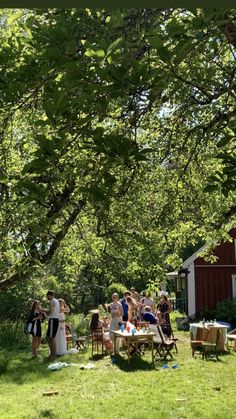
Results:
[28, 327]
[26, 331]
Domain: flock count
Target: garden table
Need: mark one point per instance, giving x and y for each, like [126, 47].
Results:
[134, 339]
[197, 332]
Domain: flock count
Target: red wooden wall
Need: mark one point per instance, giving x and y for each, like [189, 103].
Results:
[213, 283]
[225, 252]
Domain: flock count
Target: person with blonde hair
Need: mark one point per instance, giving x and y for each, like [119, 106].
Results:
[132, 310]
[61, 345]
[116, 311]
[147, 300]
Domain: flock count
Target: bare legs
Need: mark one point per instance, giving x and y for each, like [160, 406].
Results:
[35, 345]
[52, 346]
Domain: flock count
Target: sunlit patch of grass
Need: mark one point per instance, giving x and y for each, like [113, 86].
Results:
[196, 388]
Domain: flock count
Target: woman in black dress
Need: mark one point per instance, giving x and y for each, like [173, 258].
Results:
[34, 326]
[165, 308]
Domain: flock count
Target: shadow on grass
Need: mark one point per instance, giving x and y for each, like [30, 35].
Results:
[19, 367]
[98, 357]
[222, 357]
[46, 414]
[136, 363]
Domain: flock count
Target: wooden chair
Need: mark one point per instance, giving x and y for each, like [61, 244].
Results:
[196, 344]
[69, 335]
[231, 339]
[162, 344]
[211, 347]
[97, 340]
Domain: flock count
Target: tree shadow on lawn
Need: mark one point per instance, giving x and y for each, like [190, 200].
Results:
[19, 366]
[136, 363]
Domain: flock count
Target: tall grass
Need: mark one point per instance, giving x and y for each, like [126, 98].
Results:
[12, 335]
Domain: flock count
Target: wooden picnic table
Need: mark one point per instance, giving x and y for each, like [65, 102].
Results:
[133, 340]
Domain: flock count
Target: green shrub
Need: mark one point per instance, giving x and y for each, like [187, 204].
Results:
[3, 362]
[80, 323]
[12, 335]
[115, 287]
[224, 311]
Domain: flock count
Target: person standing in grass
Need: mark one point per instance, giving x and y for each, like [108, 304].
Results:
[132, 310]
[125, 306]
[116, 317]
[164, 308]
[61, 344]
[53, 323]
[147, 300]
[134, 294]
[34, 326]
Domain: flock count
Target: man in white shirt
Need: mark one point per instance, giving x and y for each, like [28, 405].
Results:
[53, 322]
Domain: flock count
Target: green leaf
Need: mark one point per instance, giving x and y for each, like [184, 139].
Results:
[174, 28]
[146, 150]
[35, 166]
[90, 53]
[3, 178]
[155, 41]
[164, 53]
[114, 46]
[61, 104]
[224, 141]
[100, 53]
[211, 188]
[14, 17]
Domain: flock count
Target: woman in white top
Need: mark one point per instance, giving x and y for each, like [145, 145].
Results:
[147, 301]
[116, 316]
[61, 346]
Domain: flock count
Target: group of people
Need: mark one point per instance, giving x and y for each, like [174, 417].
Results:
[56, 333]
[143, 308]
[133, 308]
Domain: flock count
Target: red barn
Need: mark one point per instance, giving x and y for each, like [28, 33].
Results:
[203, 284]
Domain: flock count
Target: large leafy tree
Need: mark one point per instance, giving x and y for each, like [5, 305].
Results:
[125, 114]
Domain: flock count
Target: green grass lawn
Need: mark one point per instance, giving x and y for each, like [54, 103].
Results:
[197, 389]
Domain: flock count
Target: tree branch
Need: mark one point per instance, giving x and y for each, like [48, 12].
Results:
[25, 270]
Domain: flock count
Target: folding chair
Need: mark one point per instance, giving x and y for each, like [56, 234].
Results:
[97, 340]
[173, 338]
[80, 342]
[166, 346]
[162, 345]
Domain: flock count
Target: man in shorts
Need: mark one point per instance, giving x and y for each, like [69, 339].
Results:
[53, 322]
